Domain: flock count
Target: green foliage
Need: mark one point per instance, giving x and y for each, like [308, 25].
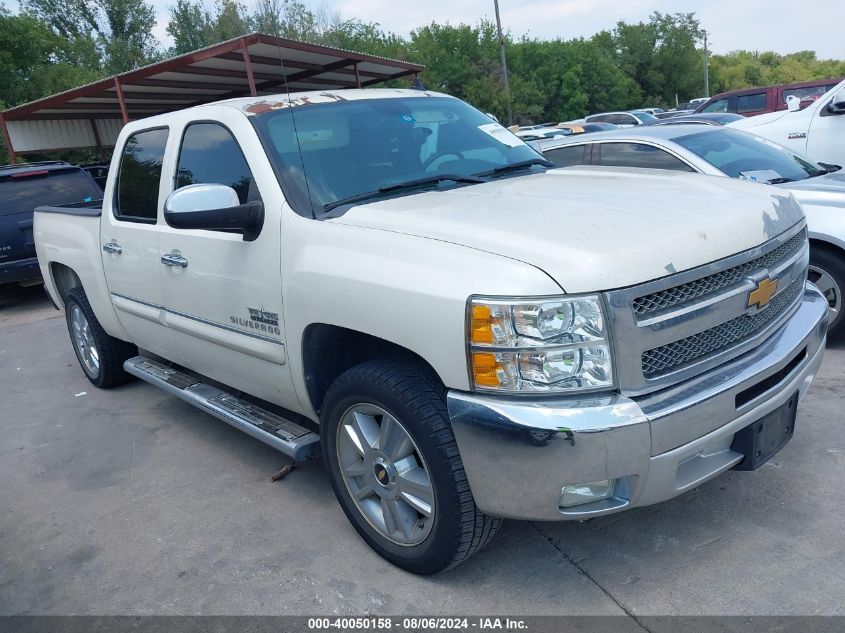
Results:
[744, 69]
[115, 35]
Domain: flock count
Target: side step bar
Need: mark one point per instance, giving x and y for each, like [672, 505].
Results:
[288, 437]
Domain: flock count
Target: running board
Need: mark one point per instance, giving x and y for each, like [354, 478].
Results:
[288, 437]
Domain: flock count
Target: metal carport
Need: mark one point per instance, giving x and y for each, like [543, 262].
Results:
[255, 64]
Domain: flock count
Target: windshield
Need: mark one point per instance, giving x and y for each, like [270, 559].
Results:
[741, 155]
[349, 148]
[55, 188]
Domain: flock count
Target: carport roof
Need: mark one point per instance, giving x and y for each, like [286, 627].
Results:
[255, 64]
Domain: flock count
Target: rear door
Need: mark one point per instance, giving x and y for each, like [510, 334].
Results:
[22, 191]
[130, 240]
[752, 104]
[224, 302]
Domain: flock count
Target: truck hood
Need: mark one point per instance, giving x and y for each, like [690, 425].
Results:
[594, 228]
[760, 119]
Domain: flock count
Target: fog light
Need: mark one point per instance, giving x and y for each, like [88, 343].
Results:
[579, 494]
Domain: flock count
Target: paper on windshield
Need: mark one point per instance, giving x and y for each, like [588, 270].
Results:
[760, 175]
[501, 134]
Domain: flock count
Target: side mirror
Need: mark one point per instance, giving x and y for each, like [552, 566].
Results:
[793, 103]
[837, 104]
[214, 208]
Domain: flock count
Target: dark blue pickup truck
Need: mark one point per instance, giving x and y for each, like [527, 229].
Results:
[22, 188]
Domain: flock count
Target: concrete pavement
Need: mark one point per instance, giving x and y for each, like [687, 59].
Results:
[128, 501]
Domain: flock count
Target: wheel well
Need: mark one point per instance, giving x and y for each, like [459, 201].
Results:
[329, 350]
[825, 246]
[64, 278]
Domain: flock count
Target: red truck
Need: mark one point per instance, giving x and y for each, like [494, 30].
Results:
[754, 101]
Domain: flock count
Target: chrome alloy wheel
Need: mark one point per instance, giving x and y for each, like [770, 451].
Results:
[83, 341]
[825, 282]
[385, 474]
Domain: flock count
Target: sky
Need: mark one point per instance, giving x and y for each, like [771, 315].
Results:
[783, 26]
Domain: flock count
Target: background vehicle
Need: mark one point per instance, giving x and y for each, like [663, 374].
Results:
[22, 188]
[402, 309]
[587, 128]
[705, 118]
[622, 119]
[727, 152]
[817, 131]
[754, 101]
[538, 132]
[99, 172]
[669, 114]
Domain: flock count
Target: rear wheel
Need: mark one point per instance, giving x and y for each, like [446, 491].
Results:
[827, 272]
[395, 467]
[101, 356]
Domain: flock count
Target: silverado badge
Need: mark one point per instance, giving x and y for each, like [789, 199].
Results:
[763, 293]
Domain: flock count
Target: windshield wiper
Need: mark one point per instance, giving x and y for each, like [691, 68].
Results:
[504, 169]
[779, 181]
[403, 186]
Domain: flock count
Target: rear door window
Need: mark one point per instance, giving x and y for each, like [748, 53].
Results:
[136, 199]
[21, 194]
[211, 155]
[751, 103]
[637, 155]
[569, 155]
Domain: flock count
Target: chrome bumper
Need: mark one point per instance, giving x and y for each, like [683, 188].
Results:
[518, 453]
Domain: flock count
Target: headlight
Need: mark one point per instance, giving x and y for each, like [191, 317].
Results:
[555, 344]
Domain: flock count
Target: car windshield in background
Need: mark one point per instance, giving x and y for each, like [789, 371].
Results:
[354, 149]
[740, 155]
[22, 193]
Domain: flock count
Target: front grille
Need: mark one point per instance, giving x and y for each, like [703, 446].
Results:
[657, 301]
[660, 360]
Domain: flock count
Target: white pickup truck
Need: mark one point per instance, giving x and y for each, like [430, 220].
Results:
[817, 131]
[392, 280]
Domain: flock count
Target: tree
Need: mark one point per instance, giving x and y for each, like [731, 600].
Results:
[191, 26]
[35, 62]
[120, 30]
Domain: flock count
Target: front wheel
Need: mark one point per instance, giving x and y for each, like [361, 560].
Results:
[395, 467]
[827, 272]
[101, 356]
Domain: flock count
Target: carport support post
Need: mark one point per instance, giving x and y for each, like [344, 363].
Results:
[100, 151]
[8, 140]
[121, 100]
[248, 64]
[357, 76]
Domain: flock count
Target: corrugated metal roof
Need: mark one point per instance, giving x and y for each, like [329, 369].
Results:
[255, 64]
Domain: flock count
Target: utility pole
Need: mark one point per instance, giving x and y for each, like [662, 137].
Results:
[504, 62]
[706, 70]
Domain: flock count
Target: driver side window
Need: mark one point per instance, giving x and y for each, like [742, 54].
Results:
[211, 155]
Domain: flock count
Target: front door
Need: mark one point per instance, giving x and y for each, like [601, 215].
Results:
[223, 294]
[129, 240]
[826, 136]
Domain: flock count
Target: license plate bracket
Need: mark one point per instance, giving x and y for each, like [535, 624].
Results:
[760, 441]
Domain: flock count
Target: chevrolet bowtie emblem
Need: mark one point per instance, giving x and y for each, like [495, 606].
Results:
[763, 293]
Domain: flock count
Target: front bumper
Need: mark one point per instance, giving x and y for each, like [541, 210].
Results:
[518, 453]
[20, 270]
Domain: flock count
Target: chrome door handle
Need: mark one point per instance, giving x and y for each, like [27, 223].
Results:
[112, 247]
[174, 260]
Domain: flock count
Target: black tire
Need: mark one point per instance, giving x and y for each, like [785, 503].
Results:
[832, 264]
[111, 352]
[414, 397]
